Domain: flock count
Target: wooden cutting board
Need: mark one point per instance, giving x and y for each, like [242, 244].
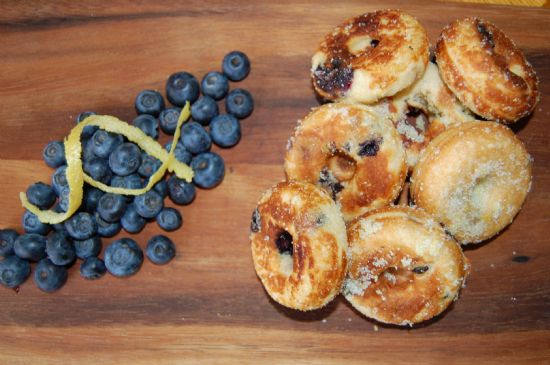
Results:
[207, 306]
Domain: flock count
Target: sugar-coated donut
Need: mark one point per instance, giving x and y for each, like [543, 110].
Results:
[350, 151]
[299, 245]
[486, 71]
[424, 110]
[404, 268]
[473, 178]
[371, 56]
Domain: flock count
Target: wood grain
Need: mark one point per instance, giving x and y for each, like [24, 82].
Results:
[207, 306]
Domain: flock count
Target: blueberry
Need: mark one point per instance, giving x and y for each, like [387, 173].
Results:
[106, 229]
[87, 248]
[160, 250]
[125, 159]
[59, 179]
[91, 198]
[111, 207]
[7, 239]
[92, 268]
[225, 130]
[168, 120]
[195, 138]
[30, 246]
[181, 154]
[209, 169]
[31, 224]
[14, 271]
[236, 66]
[88, 131]
[149, 165]
[239, 102]
[48, 276]
[105, 142]
[81, 226]
[42, 195]
[204, 109]
[123, 257]
[59, 227]
[182, 87]
[169, 219]
[149, 102]
[98, 169]
[132, 181]
[63, 203]
[131, 221]
[215, 85]
[88, 150]
[60, 249]
[54, 154]
[180, 191]
[148, 125]
[82, 116]
[161, 187]
[148, 205]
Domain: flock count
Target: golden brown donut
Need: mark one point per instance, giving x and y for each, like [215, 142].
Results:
[371, 56]
[473, 178]
[299, 245]
[424, 110]
[350, 151]
[486, 71]
[404, 268]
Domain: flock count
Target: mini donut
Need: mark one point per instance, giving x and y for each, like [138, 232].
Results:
[299, 245]
[473, 178]
[371, 56]
[351, 152]
[404, 268]
[424, 110]
[486, 71]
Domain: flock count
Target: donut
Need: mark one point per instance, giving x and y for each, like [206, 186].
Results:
[369, 57]
[473, 178]
[404, 268]
[486, 71]
[350, 151]
[299, 244]
[424, 110]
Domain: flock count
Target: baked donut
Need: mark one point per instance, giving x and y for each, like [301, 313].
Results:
[424, 110]
[486, 71]
[371, 56]
[404, 268]
[473, 178]
[299, 245]
[350, 151]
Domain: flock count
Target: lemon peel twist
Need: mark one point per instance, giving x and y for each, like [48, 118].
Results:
[76, 175]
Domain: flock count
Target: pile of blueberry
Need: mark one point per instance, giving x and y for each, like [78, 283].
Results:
[115, 161]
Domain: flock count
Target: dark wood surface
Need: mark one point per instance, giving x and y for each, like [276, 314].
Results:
[207, 306]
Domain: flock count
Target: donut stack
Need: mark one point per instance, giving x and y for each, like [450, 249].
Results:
[395, 115]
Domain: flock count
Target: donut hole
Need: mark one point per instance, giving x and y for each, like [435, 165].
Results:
[342, 166]
[284, 243]
[482, 191]
[358, 44]
[517, 70]
[400, 276]
[396, 276]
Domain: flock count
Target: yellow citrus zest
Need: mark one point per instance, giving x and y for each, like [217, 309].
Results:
[76, 175]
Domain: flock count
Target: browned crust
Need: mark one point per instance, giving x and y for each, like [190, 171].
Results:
[330, 130]
[486, 71]
[410, 298]
[388, 31]
[467, 160]
[310, 285]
